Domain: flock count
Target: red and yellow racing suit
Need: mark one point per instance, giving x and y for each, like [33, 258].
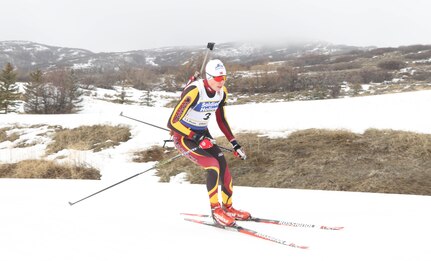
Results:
[191, 116]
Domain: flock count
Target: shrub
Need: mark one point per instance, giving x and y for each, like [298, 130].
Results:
[373, 75]
[391, 65]
[419, 56]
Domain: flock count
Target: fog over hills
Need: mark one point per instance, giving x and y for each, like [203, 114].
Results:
[27, 56]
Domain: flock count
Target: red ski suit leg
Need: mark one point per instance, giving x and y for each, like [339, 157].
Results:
[214, 162]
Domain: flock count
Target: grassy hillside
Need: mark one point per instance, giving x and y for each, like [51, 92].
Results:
[384, 161]
[377, 161]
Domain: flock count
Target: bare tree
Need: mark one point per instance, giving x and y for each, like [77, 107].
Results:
[61, 93]
[287, 78]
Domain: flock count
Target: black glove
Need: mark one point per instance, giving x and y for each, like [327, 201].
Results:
[239, 152]
[198, 137]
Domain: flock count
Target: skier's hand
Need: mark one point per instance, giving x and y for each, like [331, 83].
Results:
[203, 141]
[239, 151]
[206, 144]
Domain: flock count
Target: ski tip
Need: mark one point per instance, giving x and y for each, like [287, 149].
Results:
[70, 203]
[194, 215]
[297, 246]
[193, 220]
[331, 228]
[199, 221]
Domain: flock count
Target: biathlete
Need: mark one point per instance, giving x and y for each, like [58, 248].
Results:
[189, 124]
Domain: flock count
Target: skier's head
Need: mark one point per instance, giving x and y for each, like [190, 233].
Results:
[215, 70]
[215, 74]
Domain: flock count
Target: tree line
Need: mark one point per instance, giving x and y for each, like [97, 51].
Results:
[58, 91]
[54, 92]
[316, 75]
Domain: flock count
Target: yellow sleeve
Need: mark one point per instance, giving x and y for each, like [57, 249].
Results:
[188, 99]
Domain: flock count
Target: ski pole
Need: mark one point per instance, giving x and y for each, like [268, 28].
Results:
[197, 74]
[121, 114]
[210, 47]
[137, 174]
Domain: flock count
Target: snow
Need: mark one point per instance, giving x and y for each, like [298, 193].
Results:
[86, 65]
[140, 219]
[151, 61]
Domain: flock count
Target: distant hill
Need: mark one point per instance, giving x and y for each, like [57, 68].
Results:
[28, 56]
[293, 71]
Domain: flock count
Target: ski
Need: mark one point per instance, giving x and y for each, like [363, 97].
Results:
[247, 231]
[275, 222]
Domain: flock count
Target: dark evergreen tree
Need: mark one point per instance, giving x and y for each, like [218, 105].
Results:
[122, 96]
[34, 93]
[147, 99]
[73, 93]
[8, 89]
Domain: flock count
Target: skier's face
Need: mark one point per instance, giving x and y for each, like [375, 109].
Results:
[217, 83]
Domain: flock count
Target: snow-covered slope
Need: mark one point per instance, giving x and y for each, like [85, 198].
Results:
[140, 219]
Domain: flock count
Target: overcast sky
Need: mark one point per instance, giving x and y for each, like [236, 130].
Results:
[124, 25]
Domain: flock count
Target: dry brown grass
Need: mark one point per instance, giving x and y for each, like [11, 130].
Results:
[152, 154]
[96, 138]
[3, 135]
[384, 161]
[42, 169]
[7, 137]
